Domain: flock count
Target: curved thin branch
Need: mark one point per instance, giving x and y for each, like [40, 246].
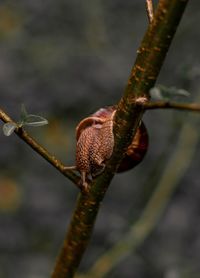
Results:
[42, 151]
[194, 107]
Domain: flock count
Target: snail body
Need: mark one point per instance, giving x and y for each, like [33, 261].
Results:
[95, 142]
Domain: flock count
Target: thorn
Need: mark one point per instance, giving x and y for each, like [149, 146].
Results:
[141, 100]
[150, 12]
[66, 168]
[85, 185]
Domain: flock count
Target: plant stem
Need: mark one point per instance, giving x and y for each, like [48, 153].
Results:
[150, 58]
[41, 150]
[167, 184]
[194, 107]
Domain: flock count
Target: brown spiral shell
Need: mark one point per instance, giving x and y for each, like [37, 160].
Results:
[95, 143]
[138, 147]
[136, 150]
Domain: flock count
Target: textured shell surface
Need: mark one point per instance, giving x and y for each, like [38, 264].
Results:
[95, 142]
[83, 146]
[87, 122]
[94, 147]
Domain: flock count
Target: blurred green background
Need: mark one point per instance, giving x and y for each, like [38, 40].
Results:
[65, 59]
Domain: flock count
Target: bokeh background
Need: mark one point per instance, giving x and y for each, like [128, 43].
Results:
[64, 59]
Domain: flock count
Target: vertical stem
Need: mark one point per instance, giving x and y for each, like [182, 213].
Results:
[151, 55]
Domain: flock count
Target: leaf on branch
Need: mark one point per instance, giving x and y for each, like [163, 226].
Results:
[25, 120]
[162, 92]
[23, 114]
[34, 120]
[9, 128]
[30, 119]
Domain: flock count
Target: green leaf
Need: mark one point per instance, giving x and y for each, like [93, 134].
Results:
[35, 120]
[9, 128]
[30, 119]
[23, 114]
[161, 92]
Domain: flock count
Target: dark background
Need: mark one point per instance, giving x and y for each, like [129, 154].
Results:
[65, 59]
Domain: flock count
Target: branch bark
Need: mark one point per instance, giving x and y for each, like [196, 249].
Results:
[166, 185]
[41, 150]
[194, 107]
[151, 55]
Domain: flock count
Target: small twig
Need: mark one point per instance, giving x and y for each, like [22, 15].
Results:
[149, 8]
[42, 151]
[194, 107]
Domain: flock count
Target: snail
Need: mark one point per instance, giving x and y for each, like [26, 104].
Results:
[95, 142]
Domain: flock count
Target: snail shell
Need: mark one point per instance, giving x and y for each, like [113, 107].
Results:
[136, 150]
[95, 142]
[138, 147]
